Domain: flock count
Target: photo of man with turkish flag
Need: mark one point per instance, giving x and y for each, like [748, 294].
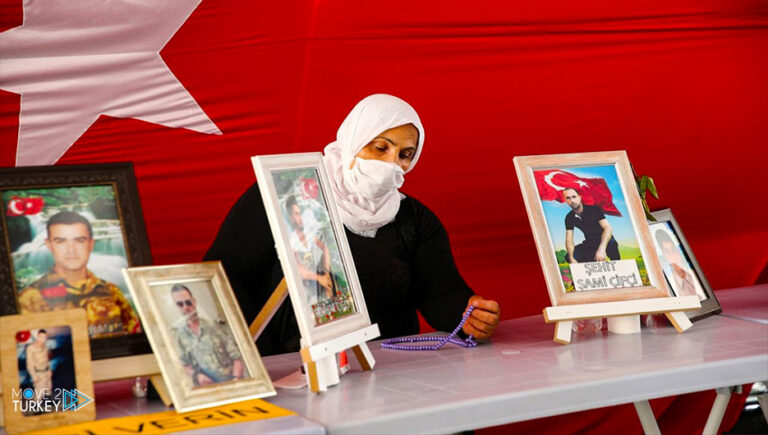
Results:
[67, 250]
[314, 246]
[587, 220]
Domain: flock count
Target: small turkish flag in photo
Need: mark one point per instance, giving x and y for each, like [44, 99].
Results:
[22, 336]
[24, 206]
[309, 188]
[593, 191]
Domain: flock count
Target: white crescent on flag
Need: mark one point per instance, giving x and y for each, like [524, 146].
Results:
[13, 207]
[548, 180]
[74, 60]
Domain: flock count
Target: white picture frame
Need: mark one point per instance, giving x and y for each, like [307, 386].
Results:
[274, 175]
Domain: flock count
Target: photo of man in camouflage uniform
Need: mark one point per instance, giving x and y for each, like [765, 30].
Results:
[206, 348]
[70, 284]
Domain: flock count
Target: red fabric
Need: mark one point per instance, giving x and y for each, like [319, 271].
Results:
[593, 191]
[679, 85]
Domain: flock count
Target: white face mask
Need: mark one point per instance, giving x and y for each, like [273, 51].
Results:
[374, 178]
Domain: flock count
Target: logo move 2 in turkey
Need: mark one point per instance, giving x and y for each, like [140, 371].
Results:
[29, 401]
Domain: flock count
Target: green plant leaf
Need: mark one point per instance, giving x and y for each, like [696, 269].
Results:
[652, 188]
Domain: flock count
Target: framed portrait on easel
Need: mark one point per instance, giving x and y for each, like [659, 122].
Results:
[592, 237]
[310, 238]
[319, 271]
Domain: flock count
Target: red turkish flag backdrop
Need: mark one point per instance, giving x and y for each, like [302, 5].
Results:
[679, 85]
[593, 191]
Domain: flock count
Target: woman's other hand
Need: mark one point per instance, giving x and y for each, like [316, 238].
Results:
[484, 318]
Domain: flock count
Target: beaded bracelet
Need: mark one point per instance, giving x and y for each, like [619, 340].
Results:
[392, 343]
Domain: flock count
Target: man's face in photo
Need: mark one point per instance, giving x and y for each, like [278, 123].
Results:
[186, 304]
[42, 337]
[296, 218]
[71, 246]
[572, 198]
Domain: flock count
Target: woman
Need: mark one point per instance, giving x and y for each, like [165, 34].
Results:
[400, 248]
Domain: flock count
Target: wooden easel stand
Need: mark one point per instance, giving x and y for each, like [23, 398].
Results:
[320, 359]
[626, 313]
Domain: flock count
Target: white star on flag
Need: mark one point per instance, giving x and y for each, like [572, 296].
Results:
[75, 60]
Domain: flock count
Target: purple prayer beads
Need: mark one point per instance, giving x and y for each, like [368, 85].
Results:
[392, 343]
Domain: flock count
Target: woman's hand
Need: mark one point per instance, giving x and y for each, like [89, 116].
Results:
[484, 318]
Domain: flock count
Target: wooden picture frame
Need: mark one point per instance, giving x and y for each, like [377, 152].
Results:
[300, 182]
[607, 179]
[178, 302]
[107, 196]
[669, 241]
[55, 346]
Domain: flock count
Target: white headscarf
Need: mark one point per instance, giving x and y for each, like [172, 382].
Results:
[371, 116]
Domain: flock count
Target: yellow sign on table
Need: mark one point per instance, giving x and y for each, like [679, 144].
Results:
[171, 421]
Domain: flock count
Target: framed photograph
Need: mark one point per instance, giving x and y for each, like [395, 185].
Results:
[681, 269]
[46, 373]
[67, 232]
[199, 337]
[590, 229]
[312, 246]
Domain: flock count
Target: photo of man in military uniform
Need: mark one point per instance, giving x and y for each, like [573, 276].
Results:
[70, 284]
[206, 347]
[38, 358]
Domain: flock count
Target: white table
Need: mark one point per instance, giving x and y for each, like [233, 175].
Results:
[748, 303]
[522, 374]
[751, 304]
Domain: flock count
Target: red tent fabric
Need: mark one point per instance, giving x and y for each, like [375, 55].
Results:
[189, 90]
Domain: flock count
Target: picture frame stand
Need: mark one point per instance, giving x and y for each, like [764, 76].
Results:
[162, 389]
[132, 367]
[624, 324]
[269, 309]
[623, 315]
[320, 359]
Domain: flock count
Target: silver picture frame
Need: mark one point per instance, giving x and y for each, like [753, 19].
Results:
[666, 222]
[153, 289]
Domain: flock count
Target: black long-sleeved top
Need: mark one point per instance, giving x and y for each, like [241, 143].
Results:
[408, 266]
